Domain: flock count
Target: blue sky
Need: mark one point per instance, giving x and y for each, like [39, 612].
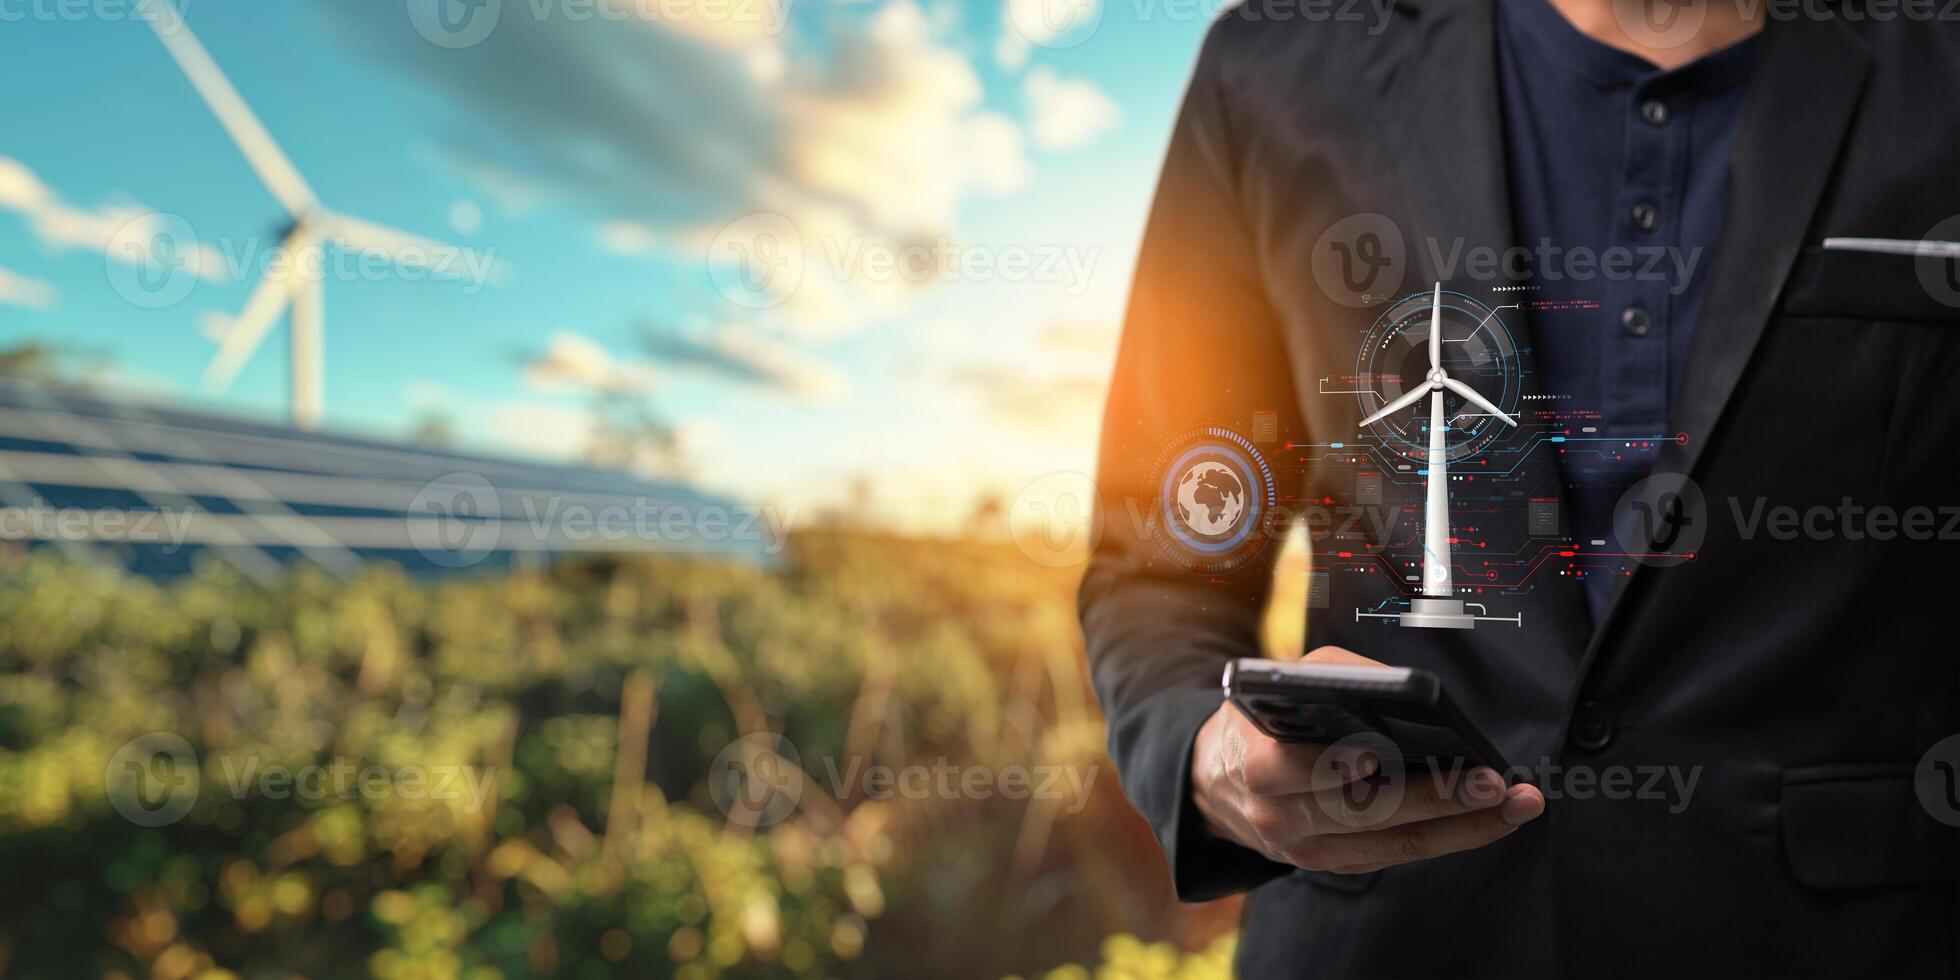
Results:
[611, 165]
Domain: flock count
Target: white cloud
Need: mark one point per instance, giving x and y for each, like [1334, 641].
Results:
[62, 226]
[667, 130]
[1067, 113]
[996, 162]
[686, 122]
[574, 362]
[20, 189]
[894, 125]
[1011, 51]
[1049, 23]
[19, 290]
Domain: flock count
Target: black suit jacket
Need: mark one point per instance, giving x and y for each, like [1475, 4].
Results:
[1806, 677]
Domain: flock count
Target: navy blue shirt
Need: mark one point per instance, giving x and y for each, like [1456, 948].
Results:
[1618, 174]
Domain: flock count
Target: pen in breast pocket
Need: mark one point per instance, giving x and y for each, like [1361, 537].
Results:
[1894, 246]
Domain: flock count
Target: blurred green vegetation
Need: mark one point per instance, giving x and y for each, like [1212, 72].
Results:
[593, 697]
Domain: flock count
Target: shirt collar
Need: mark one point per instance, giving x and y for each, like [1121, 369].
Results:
[1545, 34]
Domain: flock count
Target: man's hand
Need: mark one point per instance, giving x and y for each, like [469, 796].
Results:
[1297, 802]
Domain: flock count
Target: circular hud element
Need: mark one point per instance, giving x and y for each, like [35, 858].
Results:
[1214, 497]
[1478, 350]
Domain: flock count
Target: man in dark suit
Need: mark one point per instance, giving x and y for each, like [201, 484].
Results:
[1798, 165]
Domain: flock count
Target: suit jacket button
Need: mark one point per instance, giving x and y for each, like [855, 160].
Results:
[1592, 726]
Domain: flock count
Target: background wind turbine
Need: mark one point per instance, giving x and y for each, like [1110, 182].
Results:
[1438, 606]
[314, 227]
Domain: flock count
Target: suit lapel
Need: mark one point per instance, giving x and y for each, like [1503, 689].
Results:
[1448, 148]
[1800, 105]
[1447, 127]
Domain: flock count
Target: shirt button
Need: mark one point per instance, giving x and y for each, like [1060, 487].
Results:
[1592, 726]
[1636, 321]
[1646, 216]
[1654, 111]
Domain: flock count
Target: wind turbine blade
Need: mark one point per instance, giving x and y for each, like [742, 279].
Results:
[1408, 398]
[357, 234]
[1436, 328]
[261, 311]
[267, 160]
[400, 247]
[1470, 395]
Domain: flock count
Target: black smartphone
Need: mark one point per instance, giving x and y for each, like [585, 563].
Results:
[1404, 709]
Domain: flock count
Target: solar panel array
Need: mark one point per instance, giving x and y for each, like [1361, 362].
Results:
[155, 488]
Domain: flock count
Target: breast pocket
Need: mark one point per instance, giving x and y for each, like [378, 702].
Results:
[1876, 279]
[1880, 318]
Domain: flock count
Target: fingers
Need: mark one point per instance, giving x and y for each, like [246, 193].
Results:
[1371, 805]
[1265, 766]
[1315, 805]
[1339, 655]
[1373, 850]
[1422, 796]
